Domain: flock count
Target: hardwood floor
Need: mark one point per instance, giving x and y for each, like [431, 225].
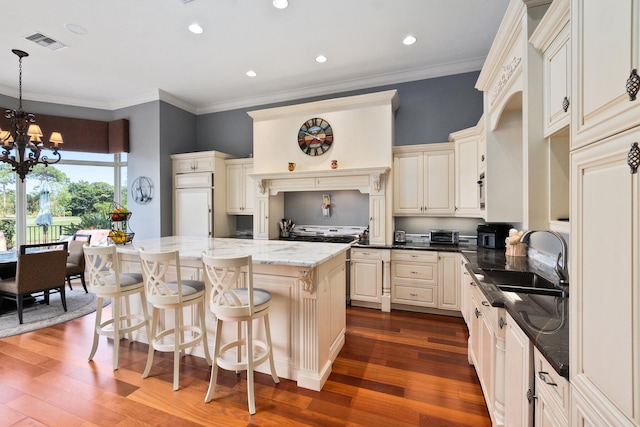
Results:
[396, 369]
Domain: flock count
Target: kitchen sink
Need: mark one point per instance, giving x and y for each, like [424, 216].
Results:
[523, 281]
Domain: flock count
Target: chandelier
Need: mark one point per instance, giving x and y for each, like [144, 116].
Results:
[22, 143]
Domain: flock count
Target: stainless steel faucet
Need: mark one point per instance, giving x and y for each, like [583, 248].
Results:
[562, 270]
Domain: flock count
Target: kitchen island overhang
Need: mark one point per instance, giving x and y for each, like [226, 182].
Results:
[307, 282]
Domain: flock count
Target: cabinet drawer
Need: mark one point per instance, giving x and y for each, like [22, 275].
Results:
[366, 253]
[424, 296]
[187, 180]
[545, 376]
[414, 256]
[414, 270]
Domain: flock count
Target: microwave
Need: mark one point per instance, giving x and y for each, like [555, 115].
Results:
[444, 237]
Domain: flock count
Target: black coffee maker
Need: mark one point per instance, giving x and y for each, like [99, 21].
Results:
[492, 235]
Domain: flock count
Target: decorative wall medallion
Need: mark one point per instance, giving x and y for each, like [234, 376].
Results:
[142, 190]
[315, 136]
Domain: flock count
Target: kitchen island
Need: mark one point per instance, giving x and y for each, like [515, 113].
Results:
[307, 282]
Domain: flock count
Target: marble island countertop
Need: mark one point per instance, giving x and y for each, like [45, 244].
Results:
[300, 254]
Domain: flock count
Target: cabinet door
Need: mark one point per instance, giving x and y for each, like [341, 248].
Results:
[408, 183]
[235, 189]
[377, 220]
[605, 47]
[249, 190]
[448, 281]
[439, 198]
[518, 410]
[192, 213]
[466, 182]
[556, 74]
[605, 302]
[261, 219]
[366, 280]
[465, 292]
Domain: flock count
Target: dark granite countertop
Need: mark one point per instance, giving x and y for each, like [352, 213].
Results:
[544, 319]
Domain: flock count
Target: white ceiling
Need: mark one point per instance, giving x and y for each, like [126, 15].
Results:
[135, 51]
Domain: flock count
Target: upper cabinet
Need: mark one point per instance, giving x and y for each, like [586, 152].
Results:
[606, 50]
[423, 180]
[467, 167]
[240, 187]
[551, 37]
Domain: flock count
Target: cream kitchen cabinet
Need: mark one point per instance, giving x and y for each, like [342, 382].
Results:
[551, 37]
[604, 275]
[423, 180]
[466, 283]
[519, 383]
[605, 53]
[366, 277]
[467, 164]
[199, 195]
[448, 281]
[552, 394]
[414, 278]
[487, 353]
[241, 191]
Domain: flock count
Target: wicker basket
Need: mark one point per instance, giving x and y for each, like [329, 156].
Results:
[120, 238]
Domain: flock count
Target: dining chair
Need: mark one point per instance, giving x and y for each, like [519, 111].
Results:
[230, 303]
[40, 267]
[76, 261]
[164, 293]
[106, 280]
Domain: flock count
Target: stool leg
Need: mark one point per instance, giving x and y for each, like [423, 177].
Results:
[145, 313]
[249, 345]
[116, 331]
[152, 337]
[177, 337]
[127, 312]
[214, 369]
[267, 331]
[96, 337]
[203, 326]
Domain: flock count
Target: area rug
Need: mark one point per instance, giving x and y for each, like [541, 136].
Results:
[38, 315]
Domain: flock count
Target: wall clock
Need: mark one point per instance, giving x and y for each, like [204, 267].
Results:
[142, 190]
[315, 136]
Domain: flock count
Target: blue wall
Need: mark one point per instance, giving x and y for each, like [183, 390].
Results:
[429, 111]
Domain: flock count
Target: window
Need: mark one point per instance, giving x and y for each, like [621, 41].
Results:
[81, 191]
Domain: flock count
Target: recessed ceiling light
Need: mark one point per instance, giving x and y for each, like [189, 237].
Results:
[321, 58]
[76, 29]
[280, 4]
[196, 29]
[251, 73]
[409, 40]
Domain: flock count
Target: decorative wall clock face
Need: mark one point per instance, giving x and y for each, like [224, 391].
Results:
[142, 190]
[315, 136]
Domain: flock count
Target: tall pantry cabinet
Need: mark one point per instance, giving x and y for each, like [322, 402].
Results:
[199, 195]
[605, 195]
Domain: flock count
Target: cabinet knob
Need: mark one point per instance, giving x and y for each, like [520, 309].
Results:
[530, 396]
[633, 84]
[486, 304]
[477, 312]
[501, 323]
[633, 158]
[565, 104]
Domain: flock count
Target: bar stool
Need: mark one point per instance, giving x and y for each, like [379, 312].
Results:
[106, 281]
[174, 295]
[242, 305]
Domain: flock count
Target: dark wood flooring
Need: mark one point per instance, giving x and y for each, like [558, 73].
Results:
[396, 369]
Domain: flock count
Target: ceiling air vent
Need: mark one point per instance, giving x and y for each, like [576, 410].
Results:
[45, 41]
[185, 1]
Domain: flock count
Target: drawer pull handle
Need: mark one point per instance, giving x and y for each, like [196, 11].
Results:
[544, 376]
[633, 84]
[531, 396]
[486, 304]
[414, 272]
[414, 295]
